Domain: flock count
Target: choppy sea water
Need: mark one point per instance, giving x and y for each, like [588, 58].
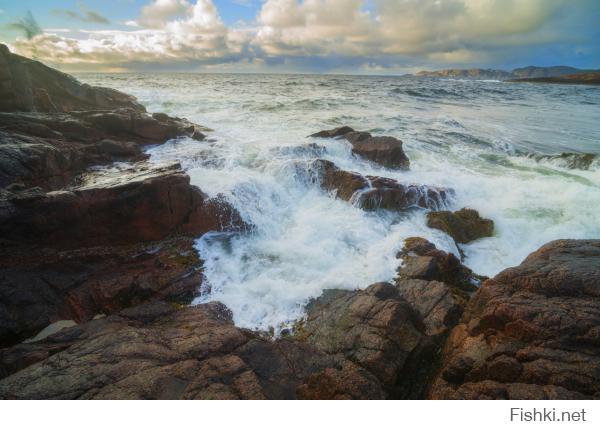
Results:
[467, 135]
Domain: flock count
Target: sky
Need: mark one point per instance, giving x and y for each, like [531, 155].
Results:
[305, 36]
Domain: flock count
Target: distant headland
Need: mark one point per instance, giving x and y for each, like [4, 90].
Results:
[554, 74]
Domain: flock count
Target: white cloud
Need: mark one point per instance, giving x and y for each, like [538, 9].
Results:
[440, 31]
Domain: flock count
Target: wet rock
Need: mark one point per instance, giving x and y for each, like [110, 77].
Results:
[138, 204]
[373, 192]
[48, 150]
[336, 132]
[375, 329]
[435, 283]
[30, 86]
[160, 351]
[422, 260]
[463, 226]
[531, 332]
[569, 160]
[40, 287]
[384, 150]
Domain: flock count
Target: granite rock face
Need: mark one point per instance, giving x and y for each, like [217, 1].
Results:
[532, 332]
[161, 351]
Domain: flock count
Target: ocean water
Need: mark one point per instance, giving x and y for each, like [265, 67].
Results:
[472, 136]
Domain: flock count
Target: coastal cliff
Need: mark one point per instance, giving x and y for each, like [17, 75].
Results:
[98, 269]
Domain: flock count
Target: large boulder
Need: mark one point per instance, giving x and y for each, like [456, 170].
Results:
[532, 332]
[377, 330]
[384, 150]
[40, 287]
[30, 86]
[162, 351]
[374, 192]
[464, 226]
[119, 206]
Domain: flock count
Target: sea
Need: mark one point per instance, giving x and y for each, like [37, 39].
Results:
[483, 139]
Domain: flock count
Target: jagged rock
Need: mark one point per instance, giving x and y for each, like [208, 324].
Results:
[384, 150]
[30, 86]
[42, 286]
[138, 204]
[463, 226]
[373, 192]
[374, 328]
[160, 351]
[532, 332]
[435, 283]
[422, 260]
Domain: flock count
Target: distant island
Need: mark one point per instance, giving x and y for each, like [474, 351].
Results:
[555, 74]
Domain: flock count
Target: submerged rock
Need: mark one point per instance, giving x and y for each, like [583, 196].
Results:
[463, 226]
[532, 332]
[384, 150]
[374, 192]
[570, 160]
[138, 204]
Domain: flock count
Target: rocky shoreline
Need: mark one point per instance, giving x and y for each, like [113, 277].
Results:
[98, 270]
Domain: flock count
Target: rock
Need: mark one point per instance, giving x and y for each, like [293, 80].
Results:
[463, 226]
[138, 204]
[384, 150]
[569, 160]
[40, 287]
[531, 332]
[422, 260]
[375, 329]
[30, 86]
[373, 192]
[435, 284]
[160, 351]
[48, 150]
[336, 132]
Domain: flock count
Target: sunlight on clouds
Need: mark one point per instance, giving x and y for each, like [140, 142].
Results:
[444, 31]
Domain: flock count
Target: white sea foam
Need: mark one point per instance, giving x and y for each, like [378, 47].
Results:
[465, 137]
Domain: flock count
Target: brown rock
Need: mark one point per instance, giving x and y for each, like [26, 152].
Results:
[30, 86]
[384, 150]
[138, 204]
[40, 287]
[422, 260]
[159, 351]
[336, 132]
[531, 332]
[373, 192]
[463, 226]
[374, 328]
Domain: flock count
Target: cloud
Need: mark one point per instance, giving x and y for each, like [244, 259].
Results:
[159, 12]
[363, 34]
[84, 14]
